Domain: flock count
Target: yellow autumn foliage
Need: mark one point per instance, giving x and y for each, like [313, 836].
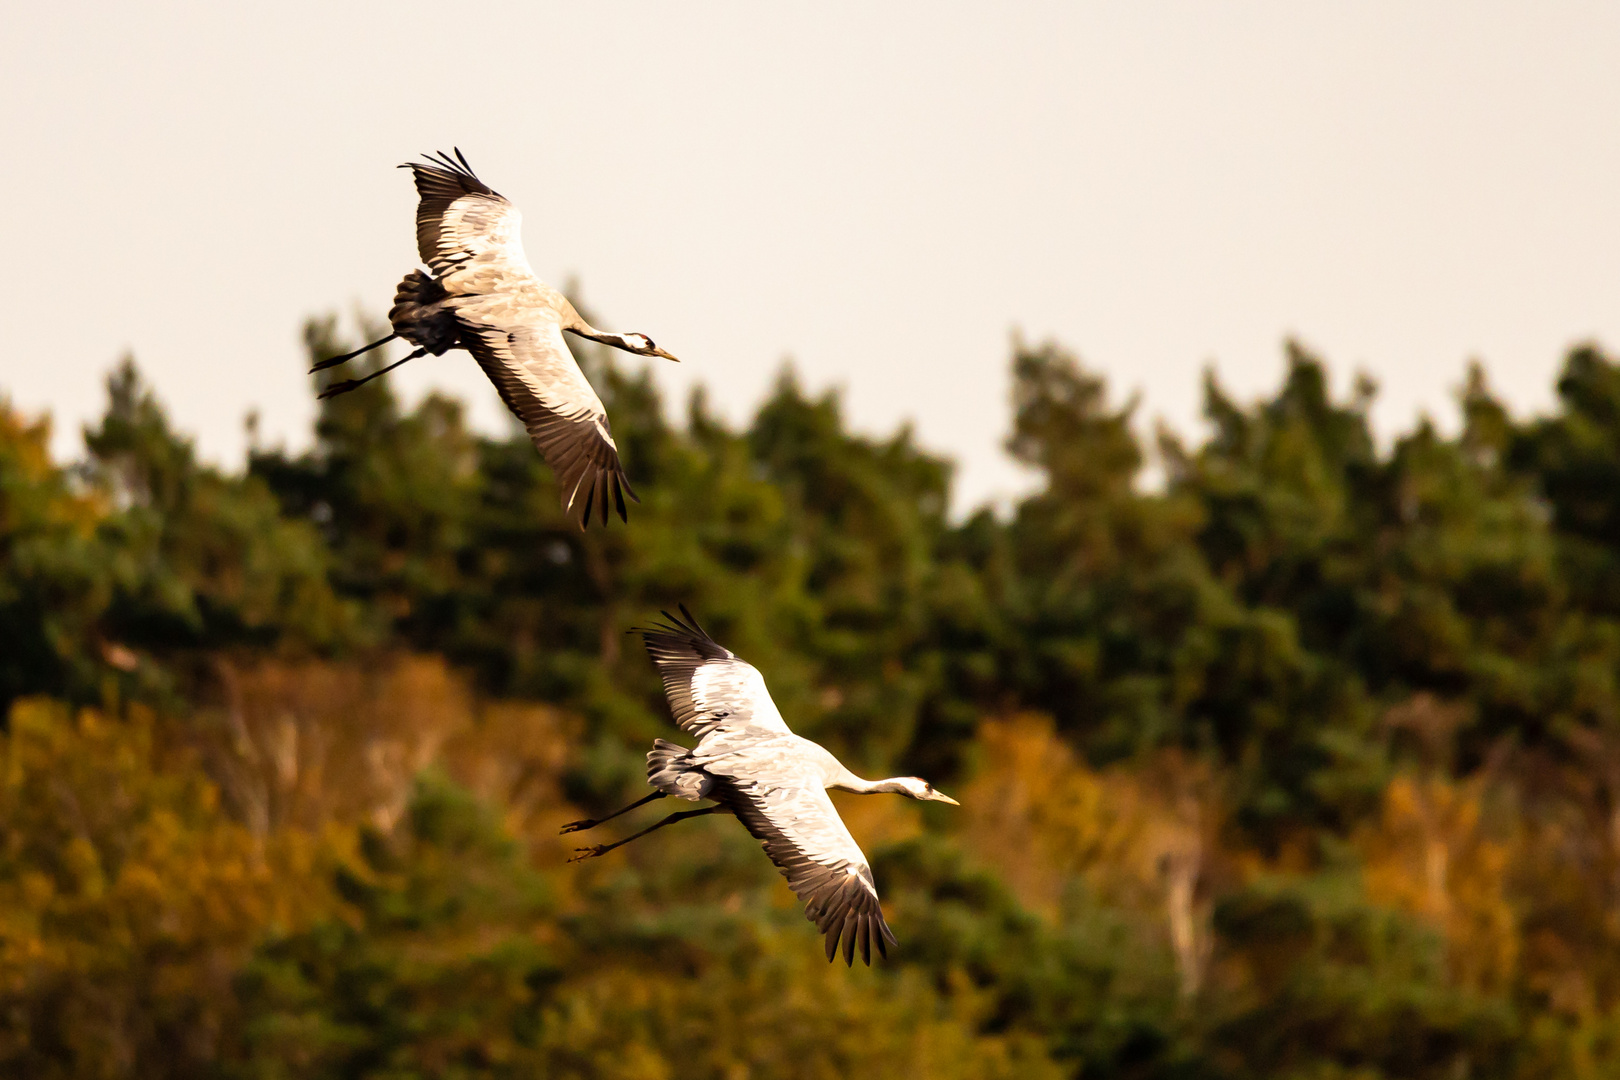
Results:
[127, 898]
[1429, 853]
[309, 742]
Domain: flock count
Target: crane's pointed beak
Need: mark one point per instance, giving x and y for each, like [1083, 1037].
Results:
[940, 796]
[660, 352]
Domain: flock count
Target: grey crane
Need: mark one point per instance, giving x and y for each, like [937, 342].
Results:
[775, 782]
[479, 293]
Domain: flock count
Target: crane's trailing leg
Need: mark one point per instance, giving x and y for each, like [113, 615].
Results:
[603, 849]
[581, 826]
[351, 384]
[334, 361]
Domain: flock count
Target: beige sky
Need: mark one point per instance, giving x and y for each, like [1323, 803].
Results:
[881, 191]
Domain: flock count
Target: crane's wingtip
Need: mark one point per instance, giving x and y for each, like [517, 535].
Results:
[692, 620]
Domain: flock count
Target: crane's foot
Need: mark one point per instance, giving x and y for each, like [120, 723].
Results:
[589, 852]
[578, 826]
[338, 388]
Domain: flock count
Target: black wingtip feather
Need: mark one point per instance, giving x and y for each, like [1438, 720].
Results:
[458, 169]
[585, 514]
[679, 641]
[603, 490]
[692, 621]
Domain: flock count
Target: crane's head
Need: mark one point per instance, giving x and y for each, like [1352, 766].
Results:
[918, 788]
[642, 345]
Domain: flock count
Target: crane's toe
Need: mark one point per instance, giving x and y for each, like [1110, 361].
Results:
[579, 826]
[337, 388]
[588, 853]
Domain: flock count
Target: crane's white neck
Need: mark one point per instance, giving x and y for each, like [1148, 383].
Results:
[913, 786]
[895, 785]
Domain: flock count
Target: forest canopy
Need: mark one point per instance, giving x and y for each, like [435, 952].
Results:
[1305, 764]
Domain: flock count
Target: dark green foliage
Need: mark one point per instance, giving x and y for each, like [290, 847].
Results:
[433, 973]
[1316, 976]
[200, 559]
[52, 583]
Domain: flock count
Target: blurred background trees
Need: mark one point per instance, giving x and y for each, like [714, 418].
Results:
[1303, 763]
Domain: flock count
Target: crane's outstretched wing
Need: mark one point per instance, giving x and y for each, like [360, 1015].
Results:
[540, 382]
[803, 835]
[460, 219]
[707, 685]
[462, 224]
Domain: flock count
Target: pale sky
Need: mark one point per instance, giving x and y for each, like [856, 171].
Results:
[882, 192]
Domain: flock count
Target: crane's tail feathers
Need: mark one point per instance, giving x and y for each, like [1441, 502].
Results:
[422, 315]
[669, 769]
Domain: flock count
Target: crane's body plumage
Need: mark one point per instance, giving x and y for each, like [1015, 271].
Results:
[776, 785]
[774, 781]
[480, 293]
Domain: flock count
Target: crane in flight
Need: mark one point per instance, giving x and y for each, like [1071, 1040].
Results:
[775, 782]
[479, 293]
